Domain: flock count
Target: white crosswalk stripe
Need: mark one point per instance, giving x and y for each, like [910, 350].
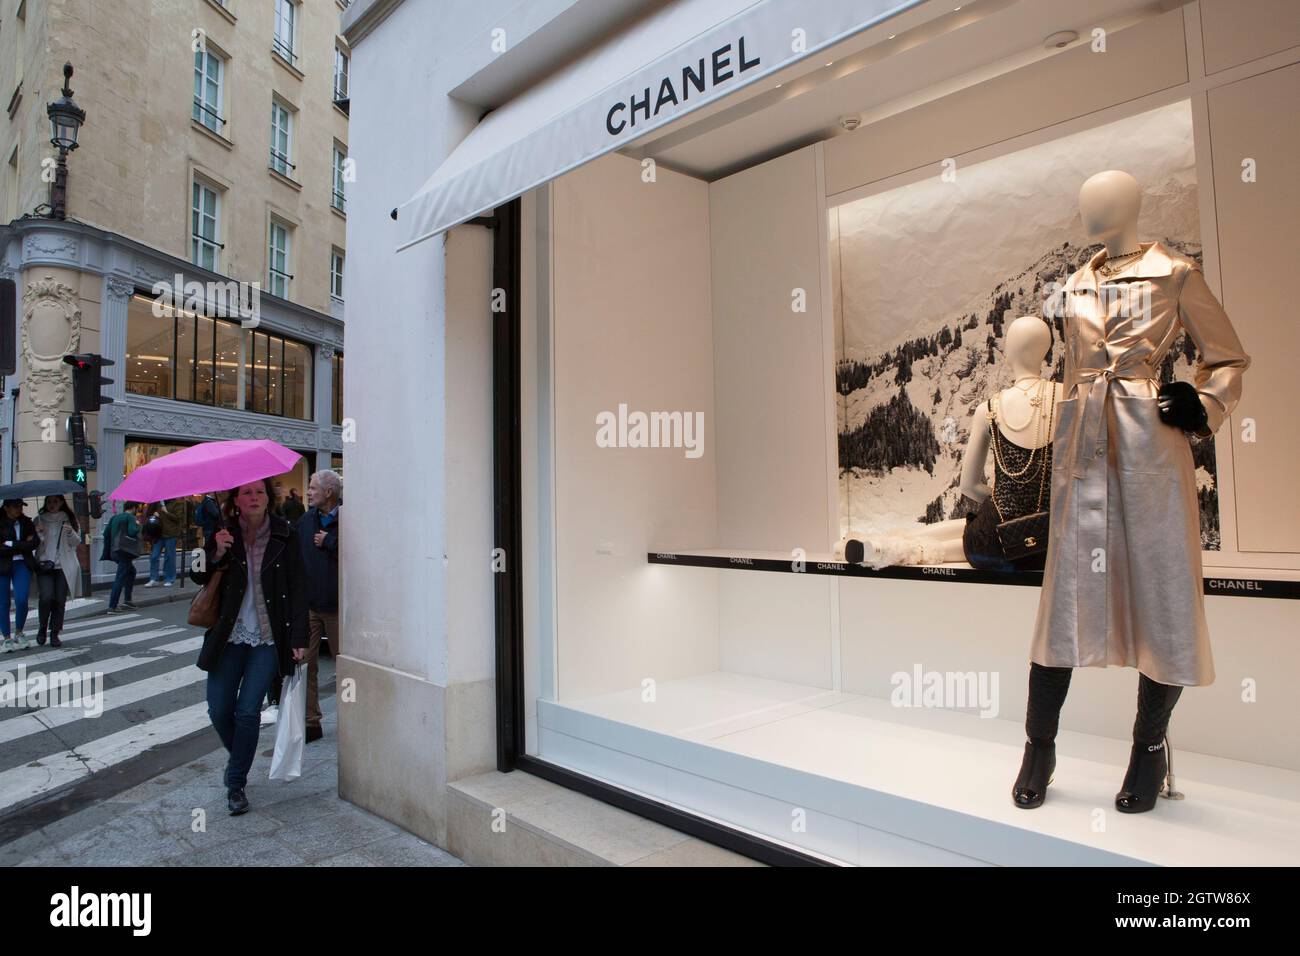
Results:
[51, 760]
[51, 717]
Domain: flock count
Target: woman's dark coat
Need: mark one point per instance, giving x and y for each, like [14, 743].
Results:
[284, 586]
[22, 532]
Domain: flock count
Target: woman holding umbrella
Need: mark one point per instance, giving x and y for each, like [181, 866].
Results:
[261, 627]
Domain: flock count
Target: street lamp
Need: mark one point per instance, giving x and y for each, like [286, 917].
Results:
[66, 118]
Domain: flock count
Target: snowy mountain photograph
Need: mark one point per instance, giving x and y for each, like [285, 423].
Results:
[925, 278]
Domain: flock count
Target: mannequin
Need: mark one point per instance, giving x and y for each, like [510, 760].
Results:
[1122, 583]
[1025, 409]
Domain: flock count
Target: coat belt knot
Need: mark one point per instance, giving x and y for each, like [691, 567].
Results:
[1092, 407]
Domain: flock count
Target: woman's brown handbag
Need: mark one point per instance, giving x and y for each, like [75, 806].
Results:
[206, 606]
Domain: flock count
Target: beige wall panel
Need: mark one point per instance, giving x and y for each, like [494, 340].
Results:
[1257, 118]
[1238, 31]
[770, 367]
[1145, 58]
[632, 325]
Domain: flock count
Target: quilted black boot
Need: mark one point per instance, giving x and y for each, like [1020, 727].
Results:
[1149, 761]
[1047, 689]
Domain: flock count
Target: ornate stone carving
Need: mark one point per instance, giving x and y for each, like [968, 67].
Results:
[47, 246]
[51, 329]
[167, 423]
[120, 288]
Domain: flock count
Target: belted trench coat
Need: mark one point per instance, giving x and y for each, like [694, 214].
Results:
[1122, 583]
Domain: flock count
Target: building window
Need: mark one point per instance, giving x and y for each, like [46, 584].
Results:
[336, 273]
[209, 74]
[278, 253]
[205, 227]
[337, 416]
[340, 159]
[340, 75]
[281, 138]
[150, 349]
[194, 358]
[286, 23]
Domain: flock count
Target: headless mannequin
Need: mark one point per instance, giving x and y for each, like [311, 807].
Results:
[1109, 203]
[1025, 346]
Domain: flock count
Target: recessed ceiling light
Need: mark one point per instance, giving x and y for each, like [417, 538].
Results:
[892, 35]
[830, 63]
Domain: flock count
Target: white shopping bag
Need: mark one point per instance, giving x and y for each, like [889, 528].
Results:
[291, 727]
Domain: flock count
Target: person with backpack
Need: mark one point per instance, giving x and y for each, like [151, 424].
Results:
[122, 546]
[208, 516]
[17, 566]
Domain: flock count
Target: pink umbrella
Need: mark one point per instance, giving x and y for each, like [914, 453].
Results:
[212, 466]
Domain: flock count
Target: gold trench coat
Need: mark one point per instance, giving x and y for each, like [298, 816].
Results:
[1122, 583]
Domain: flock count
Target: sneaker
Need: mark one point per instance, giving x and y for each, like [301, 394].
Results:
[152, 584]
[128, 606]
[22, 641]
[9, 647]
[40, 638]
[168, 584]
[270, 715]
[113, 610]
[236, 802]
[54, 641]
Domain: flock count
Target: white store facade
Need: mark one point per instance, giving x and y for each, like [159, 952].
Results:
[583, 218]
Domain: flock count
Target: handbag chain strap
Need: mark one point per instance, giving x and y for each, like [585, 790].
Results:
[1042, 464]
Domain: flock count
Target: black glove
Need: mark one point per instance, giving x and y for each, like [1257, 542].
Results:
[1180, 406]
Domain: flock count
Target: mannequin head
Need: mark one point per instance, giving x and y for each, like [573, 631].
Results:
[1025, 345]
[1109, 204]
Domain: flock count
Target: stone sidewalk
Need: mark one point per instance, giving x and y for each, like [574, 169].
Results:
[300, 823]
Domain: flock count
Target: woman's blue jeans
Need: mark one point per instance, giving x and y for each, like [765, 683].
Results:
[19, 580]
[236, 687]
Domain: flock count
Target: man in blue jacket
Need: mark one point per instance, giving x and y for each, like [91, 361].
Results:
[318, 532]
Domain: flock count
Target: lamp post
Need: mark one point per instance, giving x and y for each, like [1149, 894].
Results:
[66, 118]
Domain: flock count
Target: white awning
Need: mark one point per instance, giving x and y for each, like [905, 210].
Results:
[685, 55]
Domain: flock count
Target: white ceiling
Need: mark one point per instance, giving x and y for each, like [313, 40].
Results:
[934, 51]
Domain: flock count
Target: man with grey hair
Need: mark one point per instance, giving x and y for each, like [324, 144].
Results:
[318, 533]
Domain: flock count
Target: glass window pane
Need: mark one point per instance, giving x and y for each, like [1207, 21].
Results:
[185, 342]
[150, 345]
[297, 380]
[338, 388]
[230, 359]
[203, 379]
[274, 388]
[257, 383]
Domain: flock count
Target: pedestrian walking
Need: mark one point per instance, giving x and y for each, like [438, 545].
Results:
[171, 524]
[318, 532]
[261, 628]
[122, 546]
[208, 517]
[17, 564]
[293, 509]
[58, 572]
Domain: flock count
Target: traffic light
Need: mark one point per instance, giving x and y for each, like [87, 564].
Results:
[97, 504]
[75, 473]
[86, 381]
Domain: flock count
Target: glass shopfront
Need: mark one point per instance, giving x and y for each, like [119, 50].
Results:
[756, 391]
[192, 358]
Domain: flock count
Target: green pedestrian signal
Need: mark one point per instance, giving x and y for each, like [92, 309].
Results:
[75, 473]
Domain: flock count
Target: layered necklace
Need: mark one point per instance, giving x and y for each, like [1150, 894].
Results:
[1112, 265]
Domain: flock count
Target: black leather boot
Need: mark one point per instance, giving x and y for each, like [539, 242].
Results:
[1047, 689]
[1036, 770]
[1148, 762]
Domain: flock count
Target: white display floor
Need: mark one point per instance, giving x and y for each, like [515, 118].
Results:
[856, 780]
